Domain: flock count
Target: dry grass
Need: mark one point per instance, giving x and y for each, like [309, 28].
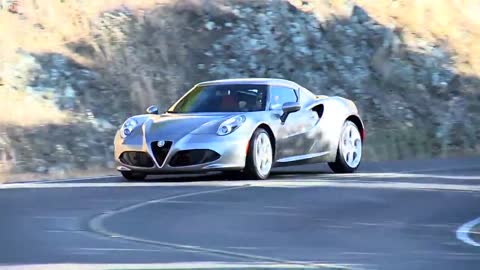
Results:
[456, 22]
[24, 110]
[46, 26]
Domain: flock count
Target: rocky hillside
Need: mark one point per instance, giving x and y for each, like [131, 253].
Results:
[63, 100]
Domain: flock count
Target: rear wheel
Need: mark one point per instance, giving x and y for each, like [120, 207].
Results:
[260, 156]
[132, 176]
[349, 151]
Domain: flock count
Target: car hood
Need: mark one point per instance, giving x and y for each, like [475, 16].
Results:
[175, 126]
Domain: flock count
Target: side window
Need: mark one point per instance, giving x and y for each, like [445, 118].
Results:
[279, 95]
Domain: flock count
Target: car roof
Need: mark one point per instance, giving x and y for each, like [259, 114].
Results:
[266, 81]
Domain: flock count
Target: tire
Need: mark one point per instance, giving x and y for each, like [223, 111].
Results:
[260, 156]
[349, 151]
[132, 176]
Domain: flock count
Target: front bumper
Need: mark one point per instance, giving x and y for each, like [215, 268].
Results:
[231, 152]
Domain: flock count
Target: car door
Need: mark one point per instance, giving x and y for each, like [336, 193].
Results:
[288, 132]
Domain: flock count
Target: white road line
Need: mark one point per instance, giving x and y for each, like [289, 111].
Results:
[366, 185]
[464, 231]
[97, 225]
[121, 249]
[280, 207]
[301, 183]
[175, 266]
[194, 202]
[359, 176]
[53, 217]
[64, 231]
[469, 167]
[264, 213]
[364, 253]
[337, 226]
[99, 185]
[246, 248]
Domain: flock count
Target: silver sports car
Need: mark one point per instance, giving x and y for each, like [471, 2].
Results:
[243, 127]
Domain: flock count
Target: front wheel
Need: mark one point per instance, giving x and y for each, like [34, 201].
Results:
[260, 156]
[349, 151]
[132, 176]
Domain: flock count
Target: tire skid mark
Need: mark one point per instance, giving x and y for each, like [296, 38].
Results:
[463, 232]
[97, 225]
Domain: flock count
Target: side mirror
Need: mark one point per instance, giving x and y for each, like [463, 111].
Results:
[288, 108]
[152, 110]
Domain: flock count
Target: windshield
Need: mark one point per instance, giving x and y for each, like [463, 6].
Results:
[223, 98]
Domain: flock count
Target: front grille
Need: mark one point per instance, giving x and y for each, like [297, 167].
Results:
[160, 153]
[135, 158]
[193, 157]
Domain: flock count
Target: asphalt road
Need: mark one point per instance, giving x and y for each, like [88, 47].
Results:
[392, 215]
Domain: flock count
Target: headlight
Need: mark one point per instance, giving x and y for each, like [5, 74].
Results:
[229, 125]
[128, 127]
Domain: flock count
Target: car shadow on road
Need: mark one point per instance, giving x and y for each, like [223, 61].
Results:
[178, 178]
[294, 172]
[217, 176]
